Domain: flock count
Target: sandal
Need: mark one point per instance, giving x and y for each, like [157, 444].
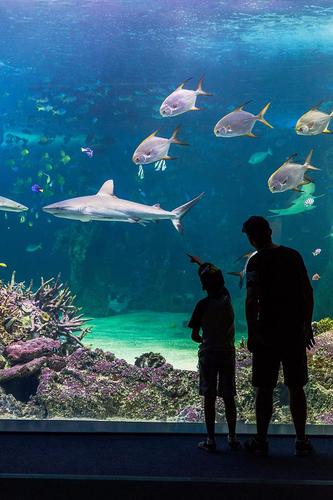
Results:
[210, 447]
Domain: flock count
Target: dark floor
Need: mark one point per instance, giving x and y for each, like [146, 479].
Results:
[162, 457]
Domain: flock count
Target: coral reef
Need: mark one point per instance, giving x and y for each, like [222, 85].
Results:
[47, 372]
[323, 325]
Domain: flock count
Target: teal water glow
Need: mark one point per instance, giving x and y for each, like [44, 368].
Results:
[129, 335]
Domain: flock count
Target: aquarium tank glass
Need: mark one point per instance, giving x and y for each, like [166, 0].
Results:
[134, 133]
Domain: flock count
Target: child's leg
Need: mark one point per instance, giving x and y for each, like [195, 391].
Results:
[230, 414]
[209, 406]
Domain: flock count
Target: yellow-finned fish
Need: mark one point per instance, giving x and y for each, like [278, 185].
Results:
[314, 122]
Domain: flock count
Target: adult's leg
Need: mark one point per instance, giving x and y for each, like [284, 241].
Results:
[298, 409]
[264, 410]
[209, 406]
[230, 414]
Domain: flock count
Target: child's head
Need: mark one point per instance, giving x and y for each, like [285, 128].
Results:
[211, 278]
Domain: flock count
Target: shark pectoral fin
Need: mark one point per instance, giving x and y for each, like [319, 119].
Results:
[250, 134]
[157, 205]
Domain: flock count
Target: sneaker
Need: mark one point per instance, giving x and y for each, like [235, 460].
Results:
[209, 446]
[257, 447]
[234, 443]
[303, 447]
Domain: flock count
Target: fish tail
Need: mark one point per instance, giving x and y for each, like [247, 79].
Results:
[179, 212]
[199, 90]
[174, 138]
[261, 115]
[270, 152]
[241, 277]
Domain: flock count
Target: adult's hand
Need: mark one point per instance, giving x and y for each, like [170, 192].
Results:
[309, 338]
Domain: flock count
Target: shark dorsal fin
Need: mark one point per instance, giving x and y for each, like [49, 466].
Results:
[107, 188]
[157, 205]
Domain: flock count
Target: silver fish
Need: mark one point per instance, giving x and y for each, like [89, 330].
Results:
[291, 175]
[240, 122]
[313, 122]
[154, 148]
[182, 100]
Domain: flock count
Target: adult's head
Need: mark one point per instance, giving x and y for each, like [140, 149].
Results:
[258, 231]
[211, 278]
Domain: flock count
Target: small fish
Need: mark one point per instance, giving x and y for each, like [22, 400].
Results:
[316, 277]
[65, 159]
[36, 188]
[33, 247]
[291, 175]
[25, 152]
[89, 152]
[22, 219]
[240, 122]
[316, 252]
[59, 112]
[314, 122]
[2, 264]
[260, 156]
[154, 149]
[309, 202]
[182, 100]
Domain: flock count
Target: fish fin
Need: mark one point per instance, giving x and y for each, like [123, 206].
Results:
[157, 205]
[308, 179]
[244, 256]
[260, 116]
[241, 277]
[107, 188]
[195, 108]
[167, 157]
[240, 108]
[250, 134]
[326, 131]
[308, 158]
[136, 220]
[149, 136]
[181, 86]
[316, 106]
[199, 89]
[311, 167]
[270, 152]
[289, 159]
[179, 212]
[297, 190]
[174, 139]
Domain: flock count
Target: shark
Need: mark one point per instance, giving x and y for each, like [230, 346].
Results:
[106, 206]
[7, 205]
[297, 206]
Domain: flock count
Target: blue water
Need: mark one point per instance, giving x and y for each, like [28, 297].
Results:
[104, 67]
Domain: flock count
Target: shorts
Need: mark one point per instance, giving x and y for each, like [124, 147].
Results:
[266, 366]
[217, 373]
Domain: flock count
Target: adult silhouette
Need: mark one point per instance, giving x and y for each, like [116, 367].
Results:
[279, 307]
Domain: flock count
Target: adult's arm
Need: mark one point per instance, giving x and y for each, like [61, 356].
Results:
[196, 337]
[308, 306]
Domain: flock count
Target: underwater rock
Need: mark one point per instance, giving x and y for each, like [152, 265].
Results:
[22, 370]
[150, 360]
[23, 351]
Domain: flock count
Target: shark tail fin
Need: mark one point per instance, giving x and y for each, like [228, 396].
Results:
[241, 277]
[179, 212]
